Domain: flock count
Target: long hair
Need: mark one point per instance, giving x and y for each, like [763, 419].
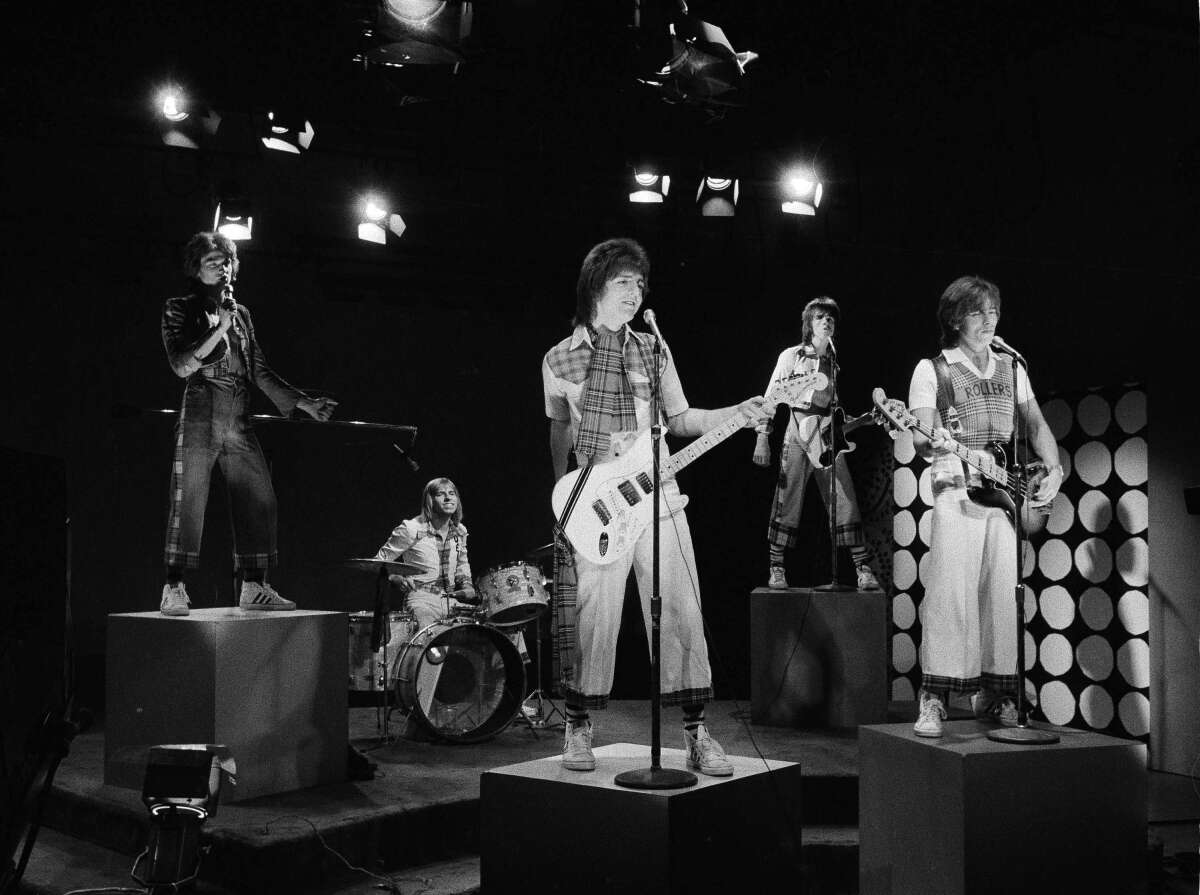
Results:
[200, 245]
[820, 303]
[427, 500]
[601, 264]
[964, 295]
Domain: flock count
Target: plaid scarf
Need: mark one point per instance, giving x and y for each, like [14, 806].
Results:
[607, 402]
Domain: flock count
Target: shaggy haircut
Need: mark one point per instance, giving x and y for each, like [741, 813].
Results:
[427, 500]
[603, 263]
[962, 297]
[203, 243]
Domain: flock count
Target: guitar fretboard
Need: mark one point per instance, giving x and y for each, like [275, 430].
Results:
[703, 444]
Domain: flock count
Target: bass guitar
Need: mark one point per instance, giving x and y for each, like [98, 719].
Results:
[604, 514]
[1003, 484]
[845, 427]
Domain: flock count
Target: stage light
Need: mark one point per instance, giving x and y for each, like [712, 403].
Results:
[649, 187]
[419, 32]
[717, 196]
[802, 192]
[233, 218]
[183, 123]
[376, 221]
[286, 132]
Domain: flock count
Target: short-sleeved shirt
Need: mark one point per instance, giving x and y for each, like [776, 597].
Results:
[565, 371]
[416, 541]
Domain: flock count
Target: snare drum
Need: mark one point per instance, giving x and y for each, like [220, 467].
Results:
[461, 680]
[513, 593]
[366, 667]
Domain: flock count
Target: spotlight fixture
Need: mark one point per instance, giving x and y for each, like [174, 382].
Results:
[287, 132]
[233, 218]
[802, 192]
[649, 187]
[717, 196]
[419, 32]
[376, 221]
[183, 123]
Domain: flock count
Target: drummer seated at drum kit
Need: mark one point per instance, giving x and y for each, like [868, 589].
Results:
[436, 542]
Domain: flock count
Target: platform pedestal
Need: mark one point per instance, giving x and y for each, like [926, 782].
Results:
[961, 814]
[269, 685]
[544, 828]
[818, 659]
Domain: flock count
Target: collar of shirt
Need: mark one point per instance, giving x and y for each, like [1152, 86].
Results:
[583, 334]
[958, 356]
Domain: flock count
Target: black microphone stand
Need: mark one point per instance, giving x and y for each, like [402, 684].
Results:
[1022, 734]
[656, 776]
[834, 585]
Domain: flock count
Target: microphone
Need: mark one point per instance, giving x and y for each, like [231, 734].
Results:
[1002, 346]
[832, 349]
[228, 303]
[652, 322]
[412, 464]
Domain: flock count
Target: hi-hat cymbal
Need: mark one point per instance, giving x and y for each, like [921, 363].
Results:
[383, 565]
[546, 551]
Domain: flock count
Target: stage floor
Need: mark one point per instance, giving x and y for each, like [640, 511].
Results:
[416, 823]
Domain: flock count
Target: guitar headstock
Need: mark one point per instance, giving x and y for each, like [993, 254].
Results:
[788, 391]
[892, 412]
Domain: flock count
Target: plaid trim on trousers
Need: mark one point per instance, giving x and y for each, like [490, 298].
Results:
[795, 469]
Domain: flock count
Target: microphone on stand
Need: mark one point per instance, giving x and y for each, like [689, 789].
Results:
[412, 464]
[1002, 346]
[652, 322]
[832, 349]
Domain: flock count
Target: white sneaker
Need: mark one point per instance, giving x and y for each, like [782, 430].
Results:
[930, 716]
[776, 579]
[704, 754]
[866, 578]
[174, 600]
[258, 595]
[577, 749]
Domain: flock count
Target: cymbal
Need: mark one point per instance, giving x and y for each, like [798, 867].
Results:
[546, 551]
[383, 565]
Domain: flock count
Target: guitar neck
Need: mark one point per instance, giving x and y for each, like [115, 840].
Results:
[704, 444]
[998, 474]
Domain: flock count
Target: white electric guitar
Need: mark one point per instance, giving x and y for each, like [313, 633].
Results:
[614, 504]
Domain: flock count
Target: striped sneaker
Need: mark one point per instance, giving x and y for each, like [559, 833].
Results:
[174, 599]
[259, 595]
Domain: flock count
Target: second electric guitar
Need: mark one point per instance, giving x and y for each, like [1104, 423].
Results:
[614, 504]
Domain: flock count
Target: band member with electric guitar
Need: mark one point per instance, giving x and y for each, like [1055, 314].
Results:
[963, 398]
[807, 449]
[597, 389]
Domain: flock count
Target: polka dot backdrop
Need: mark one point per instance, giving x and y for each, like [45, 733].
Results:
[1087, 652]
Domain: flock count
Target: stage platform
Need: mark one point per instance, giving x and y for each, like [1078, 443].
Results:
[416, 824]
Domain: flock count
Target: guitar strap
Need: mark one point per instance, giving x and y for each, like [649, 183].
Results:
[945, 390]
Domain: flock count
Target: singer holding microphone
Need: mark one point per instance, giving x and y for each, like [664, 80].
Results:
[596, 387]
[803, 442]
[211, 343]
[968, 616]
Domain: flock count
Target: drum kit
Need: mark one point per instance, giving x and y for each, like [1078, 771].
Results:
[460, 679]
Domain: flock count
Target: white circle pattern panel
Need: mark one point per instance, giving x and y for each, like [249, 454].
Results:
[1094, 415]
[904, 486]
[1093, 463]
[1133, 512]
[1133, 562]
[1057, 703]
[1030, 652]
[925, 487]
[1095, 657]
[1096, 706]
[923, 569]
[1133, 609]
[1054, 559]
[1065, 461]
[1095, 511]
[1055, 654]
[1131, 461]
[902, 447]
[904, 569]
[904, 529]
[1062, 515]
[904, 611]
[1096, 608]
[925, 528]
[1133, 661]
[1134, 712]
[1058, 414]
[1058, 609]
[1029, 603]
[1028, 558]
[1094, 560]
[904, 653]
[1131, 411]
[902, 690]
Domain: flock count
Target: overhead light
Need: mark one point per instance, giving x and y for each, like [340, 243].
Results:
[419, 32]
[717, 196]
[286, 132]
[649, 187]
[182, 122]
[802, 192]
[376, 221]
[233, 218]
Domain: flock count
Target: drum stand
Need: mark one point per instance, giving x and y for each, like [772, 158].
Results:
[539, 719]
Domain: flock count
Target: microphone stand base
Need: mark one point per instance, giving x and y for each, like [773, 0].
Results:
[655, 778]
[834, 587]
[1023, 736]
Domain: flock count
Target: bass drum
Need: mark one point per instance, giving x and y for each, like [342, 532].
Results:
[463, 681]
